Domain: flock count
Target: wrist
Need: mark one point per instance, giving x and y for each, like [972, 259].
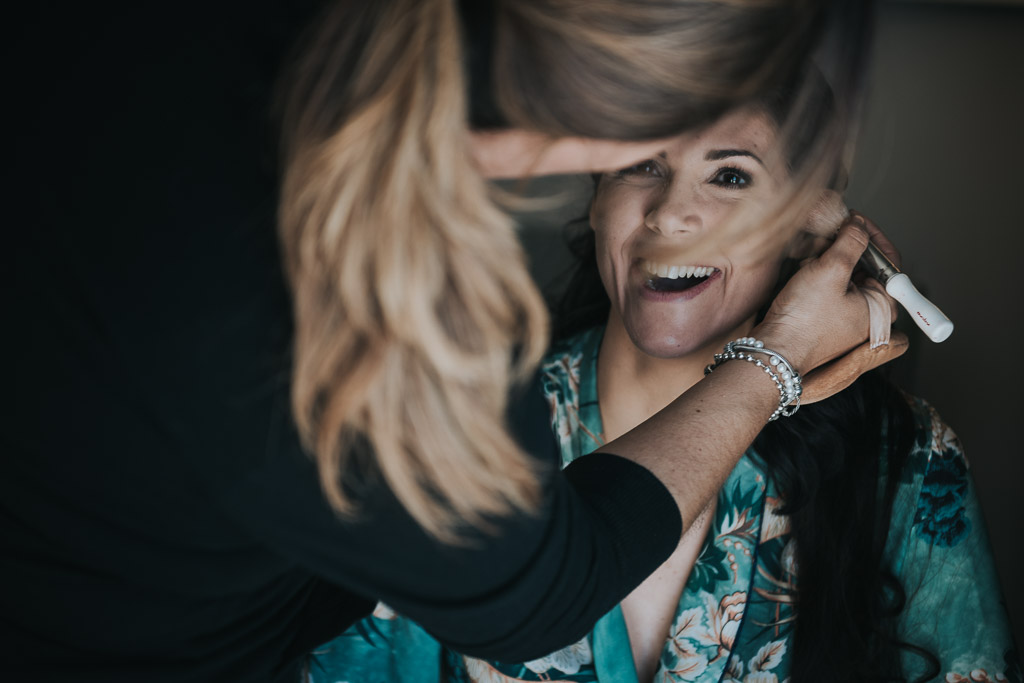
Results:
[787, 343]
[778, 368]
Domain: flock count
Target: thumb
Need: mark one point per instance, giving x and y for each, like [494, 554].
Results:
[844, 253]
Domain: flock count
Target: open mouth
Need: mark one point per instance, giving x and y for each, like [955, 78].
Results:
[663, 278]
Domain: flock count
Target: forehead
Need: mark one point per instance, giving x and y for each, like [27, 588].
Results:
[745, 129]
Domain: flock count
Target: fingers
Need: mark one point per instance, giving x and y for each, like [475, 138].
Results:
[878, 237]
[888, 248]
[844, 253]
[833, 377]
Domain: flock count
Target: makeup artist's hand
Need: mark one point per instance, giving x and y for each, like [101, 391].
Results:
[833, 377]
[821, 316]
[877, 236]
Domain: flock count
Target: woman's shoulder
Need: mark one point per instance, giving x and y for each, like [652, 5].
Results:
[935, 486]
[939, 551]
[935, 445]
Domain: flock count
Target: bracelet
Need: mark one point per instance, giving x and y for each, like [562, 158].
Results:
[787, 379]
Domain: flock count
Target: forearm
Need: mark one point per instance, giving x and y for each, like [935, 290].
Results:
[694, 443]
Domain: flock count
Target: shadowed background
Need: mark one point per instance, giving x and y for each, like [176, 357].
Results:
[940, 167]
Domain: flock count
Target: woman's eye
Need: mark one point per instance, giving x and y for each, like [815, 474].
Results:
[732, 178]
[644, 168]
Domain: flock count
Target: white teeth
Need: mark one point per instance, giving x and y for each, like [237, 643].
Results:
[674, 272]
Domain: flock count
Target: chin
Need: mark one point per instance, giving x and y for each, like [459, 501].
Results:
[666, 345]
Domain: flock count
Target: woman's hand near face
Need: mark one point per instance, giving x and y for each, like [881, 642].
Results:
[878, 237]
[820, 315]
[831, 378]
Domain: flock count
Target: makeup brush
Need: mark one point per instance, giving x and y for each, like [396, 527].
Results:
[826, 218]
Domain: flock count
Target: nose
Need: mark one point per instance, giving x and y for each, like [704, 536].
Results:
[675, 210]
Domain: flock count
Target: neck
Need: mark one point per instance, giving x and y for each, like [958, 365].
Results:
[632, 385]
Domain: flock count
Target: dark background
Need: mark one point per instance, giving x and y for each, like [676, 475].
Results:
[940, 167]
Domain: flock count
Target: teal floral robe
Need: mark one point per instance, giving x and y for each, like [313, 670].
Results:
[734, 621]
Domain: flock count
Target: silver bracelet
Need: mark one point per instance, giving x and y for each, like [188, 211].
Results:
[780, 370]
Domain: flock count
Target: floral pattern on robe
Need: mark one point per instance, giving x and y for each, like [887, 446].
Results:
[734, 621]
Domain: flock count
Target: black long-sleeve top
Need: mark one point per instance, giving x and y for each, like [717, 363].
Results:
[158, 518]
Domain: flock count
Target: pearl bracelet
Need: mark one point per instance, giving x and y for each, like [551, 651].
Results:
[787, 379]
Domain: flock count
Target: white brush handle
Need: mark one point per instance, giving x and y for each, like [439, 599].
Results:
[928, 317]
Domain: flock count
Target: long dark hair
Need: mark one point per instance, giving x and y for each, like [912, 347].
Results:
[827, 462]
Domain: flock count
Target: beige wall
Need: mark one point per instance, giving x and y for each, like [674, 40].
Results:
[941, 169]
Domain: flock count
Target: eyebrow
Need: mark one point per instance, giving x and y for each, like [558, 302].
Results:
[718, 154]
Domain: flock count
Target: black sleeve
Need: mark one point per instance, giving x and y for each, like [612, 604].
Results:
[537, 584]
[150, 374]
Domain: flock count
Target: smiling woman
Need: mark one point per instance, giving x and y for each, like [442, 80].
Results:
[645, 214]
[827, 554]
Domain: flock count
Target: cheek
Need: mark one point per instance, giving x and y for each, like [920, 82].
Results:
[601, 211]
[608, 266]
[610, 221]
[758, 285]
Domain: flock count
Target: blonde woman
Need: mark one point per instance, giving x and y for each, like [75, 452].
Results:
[241, 412]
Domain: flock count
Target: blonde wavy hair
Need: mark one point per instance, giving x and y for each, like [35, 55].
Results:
[414, 311]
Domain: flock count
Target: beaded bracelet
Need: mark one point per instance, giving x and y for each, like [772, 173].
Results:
[787, 381]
